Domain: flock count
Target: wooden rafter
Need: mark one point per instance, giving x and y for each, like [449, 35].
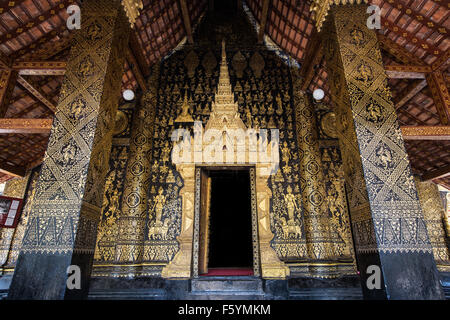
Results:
[25, 125]
[40, 68]
[5, 61]
[7, 83]
[11, 170]
[442, 61]
[134, 65]
[407, 71]
[436, 174]
[137, 49]
[187, 21]
[425, 132]
[410, 92]
[36, 93]
[438, 87]
[398, 51]
[264, 15]
[313, 56]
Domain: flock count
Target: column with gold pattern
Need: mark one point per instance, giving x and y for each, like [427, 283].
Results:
[130, 244]
[62, 225]
[320, 237]
[387, 221]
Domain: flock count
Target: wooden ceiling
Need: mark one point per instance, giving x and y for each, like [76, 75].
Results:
[414, 41]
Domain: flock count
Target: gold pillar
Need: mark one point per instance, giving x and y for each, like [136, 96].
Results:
[387, 220]
[130, 245]
[64, 216]
[320, 237]
[434, 215]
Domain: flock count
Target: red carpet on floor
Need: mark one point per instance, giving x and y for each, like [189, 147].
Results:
[228, 272]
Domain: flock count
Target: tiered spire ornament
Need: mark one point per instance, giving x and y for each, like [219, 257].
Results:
[224, 113]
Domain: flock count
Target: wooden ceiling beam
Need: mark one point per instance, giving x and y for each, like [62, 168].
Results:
[40, 68]
[441, 62]
[186, 20]
[138, 51]
[25, 126]
[5, 61]
[11, 170]
[407, 71]
[425, 132]
[441, 97]
[36, 93]
[8, 79]
[313, 56]
[134, 65]
[398, 51]
[264, 16]
[437, 174]
[410, 92]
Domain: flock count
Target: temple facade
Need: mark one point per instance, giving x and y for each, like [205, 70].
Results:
[225, 165]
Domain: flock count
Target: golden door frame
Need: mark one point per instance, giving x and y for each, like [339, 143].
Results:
[197, 252]
[182, 265]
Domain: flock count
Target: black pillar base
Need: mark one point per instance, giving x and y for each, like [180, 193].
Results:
[404, 276]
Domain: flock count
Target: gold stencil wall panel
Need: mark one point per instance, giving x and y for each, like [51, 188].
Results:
[108, 227]
[16, 242]
[15, 188]
[433, 212]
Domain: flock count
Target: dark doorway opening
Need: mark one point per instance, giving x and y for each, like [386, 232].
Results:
[230, 240]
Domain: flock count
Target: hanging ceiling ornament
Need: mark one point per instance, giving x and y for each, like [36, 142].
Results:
[132, 8]
[320, 9]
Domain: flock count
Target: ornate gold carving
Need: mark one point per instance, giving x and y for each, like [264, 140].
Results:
[224, 108]
[328, 125]
[209, 63]
[121, 122]
[257, 64]
[191, 62]
[320, 9]
[132, 8]
[239, 64]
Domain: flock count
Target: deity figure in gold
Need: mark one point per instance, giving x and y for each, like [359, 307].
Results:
[291, 203]
[286, 153]
[158, 206]
[184, 116]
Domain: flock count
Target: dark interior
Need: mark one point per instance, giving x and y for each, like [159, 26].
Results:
[227, 7]
[230, 244]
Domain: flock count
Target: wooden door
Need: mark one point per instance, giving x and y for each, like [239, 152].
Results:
[205, 197]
